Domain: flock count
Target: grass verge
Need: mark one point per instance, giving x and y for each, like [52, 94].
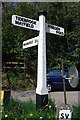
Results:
[76, 112]
[27, 111]
[21, 110]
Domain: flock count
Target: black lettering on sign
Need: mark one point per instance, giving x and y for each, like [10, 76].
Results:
[30, 42]
[61, 33]
[17, 22]
[26, 20]
[29, 25]
[66, 115]
[16, 17]
[24, 24]
[62, 116]
[54, 27]
[36, 41]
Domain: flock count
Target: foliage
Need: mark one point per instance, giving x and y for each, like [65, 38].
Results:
[76, 112]
[17, 81]
[18, 109]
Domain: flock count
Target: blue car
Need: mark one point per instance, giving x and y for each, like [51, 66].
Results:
[55, 80]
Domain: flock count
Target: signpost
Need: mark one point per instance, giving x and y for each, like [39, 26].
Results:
[42, 27]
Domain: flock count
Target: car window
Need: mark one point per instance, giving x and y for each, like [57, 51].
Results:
[54, 72]
[57, 72]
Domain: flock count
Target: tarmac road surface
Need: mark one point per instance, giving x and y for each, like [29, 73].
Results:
[73, 97]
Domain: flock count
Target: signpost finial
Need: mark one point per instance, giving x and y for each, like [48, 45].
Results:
[42, 12]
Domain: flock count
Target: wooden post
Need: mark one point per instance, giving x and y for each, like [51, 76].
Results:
[64, 87]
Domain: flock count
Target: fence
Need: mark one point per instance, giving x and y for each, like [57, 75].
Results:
[12, 65]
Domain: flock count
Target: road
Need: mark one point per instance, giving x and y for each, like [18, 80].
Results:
[73, 97]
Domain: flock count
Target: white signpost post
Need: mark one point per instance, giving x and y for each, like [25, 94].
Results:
[42, 27]
[41, 90]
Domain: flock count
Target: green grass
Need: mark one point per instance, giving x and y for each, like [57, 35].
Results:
[76, 112]
[21, 110]
[0, 115]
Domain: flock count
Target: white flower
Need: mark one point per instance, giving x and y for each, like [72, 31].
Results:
[50, 106]
[6, 116]
[40, 118]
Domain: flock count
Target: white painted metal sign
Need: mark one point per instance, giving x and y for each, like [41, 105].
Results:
[25, 22]
[65, 115]
[54, 29]
[35, 25]
[30, 42]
